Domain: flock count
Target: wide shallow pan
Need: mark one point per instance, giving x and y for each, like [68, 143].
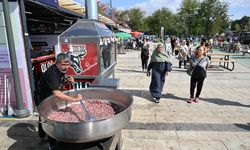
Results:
[81, 132]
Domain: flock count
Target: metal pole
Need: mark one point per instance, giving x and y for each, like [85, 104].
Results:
[112, 29]
[91, 9]
[111, 10]
[28, 47]
[21, 111]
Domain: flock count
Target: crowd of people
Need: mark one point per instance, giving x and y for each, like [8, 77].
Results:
[190, 53]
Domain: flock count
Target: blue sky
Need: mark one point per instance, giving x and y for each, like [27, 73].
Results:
[237, 8]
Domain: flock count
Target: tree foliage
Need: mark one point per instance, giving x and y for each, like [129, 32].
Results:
[242, 24]
[206, 17]
[214, 16]
[188, 17]
[161, 18]
[136, 17]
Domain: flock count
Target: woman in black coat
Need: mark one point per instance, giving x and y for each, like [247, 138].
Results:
[144, 54]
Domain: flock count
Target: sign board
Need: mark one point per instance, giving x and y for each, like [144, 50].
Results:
[41, 64]
[162, 32]
[84, 59]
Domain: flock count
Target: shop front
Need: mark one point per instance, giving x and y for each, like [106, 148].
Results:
[42, 29]
[36, 26]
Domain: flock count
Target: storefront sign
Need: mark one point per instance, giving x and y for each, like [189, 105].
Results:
[46, 65]
[83, 59]
[41, 64]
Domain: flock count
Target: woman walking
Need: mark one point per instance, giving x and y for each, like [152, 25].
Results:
[200, 63]
[144, 54]
[183, 54]
[160, 64]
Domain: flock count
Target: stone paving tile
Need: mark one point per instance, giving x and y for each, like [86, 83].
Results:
[198, 135]
[150, 134]
[238, 120]
[20, 136]
[188, 119]
[232, 145]
[149, 144]
[229, 136]
[202, 145]
[244, 136]
[144, 119]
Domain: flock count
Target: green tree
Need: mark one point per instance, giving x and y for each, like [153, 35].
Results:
[187, 16]
[136, 19]
[120, 16]
[237, 27]
[161, 18]
[133, 17]
[214, 16]
[243, 23]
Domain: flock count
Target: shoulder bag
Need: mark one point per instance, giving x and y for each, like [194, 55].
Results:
[191, 68]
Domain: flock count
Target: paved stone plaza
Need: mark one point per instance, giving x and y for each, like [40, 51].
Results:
[221, 120]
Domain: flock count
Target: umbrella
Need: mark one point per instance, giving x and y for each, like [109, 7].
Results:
[136, 34]
[123, 35]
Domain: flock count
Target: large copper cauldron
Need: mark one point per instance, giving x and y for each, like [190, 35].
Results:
[81, 132]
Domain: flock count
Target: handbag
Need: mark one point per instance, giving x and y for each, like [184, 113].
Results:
[168, 66]
[191, 68]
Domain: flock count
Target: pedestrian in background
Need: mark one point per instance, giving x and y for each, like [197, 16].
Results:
[200, 62]
[168, 48]
[144, 54]
[159, 66]
[208, 50]
[183, 54]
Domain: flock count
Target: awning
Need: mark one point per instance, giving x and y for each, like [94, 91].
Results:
[124, 30]
[106, 20]
[136, 33]
[44, 19]
[123, 35]
[78, 8]
[72, 6]
[35, 10]
[66, 13]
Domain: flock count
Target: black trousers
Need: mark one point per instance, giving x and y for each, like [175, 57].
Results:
[41, 132]
[185, 63]
[196, 82]
[144, 62]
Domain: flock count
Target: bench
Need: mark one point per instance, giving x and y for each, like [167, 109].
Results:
[244, 49]
[226, 63]
[245, 52]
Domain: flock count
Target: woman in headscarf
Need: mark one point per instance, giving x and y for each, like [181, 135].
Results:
[159, 64]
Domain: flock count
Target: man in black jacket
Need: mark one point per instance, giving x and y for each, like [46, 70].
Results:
[51, 83]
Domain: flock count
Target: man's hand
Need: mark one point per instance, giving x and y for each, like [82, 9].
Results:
[148, 73]
[70, 79]
[62, 96]
[78, 97]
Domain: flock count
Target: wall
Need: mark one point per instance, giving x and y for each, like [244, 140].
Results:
[5, 65]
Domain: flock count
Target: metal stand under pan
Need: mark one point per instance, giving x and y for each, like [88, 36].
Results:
[111, 143]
